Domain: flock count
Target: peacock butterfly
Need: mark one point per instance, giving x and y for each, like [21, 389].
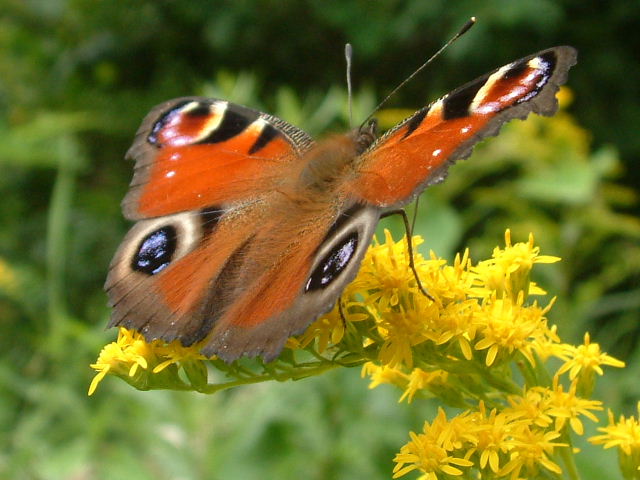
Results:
[247, 229]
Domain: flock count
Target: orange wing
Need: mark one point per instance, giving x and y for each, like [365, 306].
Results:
[419, 150]
[194, 153]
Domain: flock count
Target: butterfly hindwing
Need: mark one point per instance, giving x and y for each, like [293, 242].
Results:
[283, 299]
[237, 289]
[418, 151]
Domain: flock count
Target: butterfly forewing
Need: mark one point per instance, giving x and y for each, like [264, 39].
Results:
[419, 150]
[194, 152]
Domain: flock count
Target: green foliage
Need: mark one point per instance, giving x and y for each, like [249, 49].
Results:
[77, 76]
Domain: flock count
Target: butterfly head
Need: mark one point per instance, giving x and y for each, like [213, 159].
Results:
[365, 135]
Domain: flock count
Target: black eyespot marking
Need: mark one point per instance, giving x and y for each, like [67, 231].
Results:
[162, 121]
[232, 124]
[456, 105]
[201, 110]
[267, 134]
[333, 264]
[549, 60]
[516, 70]
[155, 251]
[547, 65]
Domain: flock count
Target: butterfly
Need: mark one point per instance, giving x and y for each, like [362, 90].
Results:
[247, 229]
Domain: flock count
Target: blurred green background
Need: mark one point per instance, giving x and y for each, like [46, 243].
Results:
[76, 78]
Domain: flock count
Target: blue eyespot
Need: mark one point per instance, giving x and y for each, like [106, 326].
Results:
[333, 263]
[155, 251]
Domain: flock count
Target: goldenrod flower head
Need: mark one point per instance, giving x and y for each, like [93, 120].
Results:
[531, 449]
[400, 331]
[430, 452]
[122, 357]
[326, 330]
[624, 435]
[583, 361]
[565, 406]
[384, 375]
[450, 283]
[532, 406]
[421, 380]
[134, 359]
[505, 326]
[507, 272]
[385, 274]
[493, 434]
[548, 345]
[565, 97]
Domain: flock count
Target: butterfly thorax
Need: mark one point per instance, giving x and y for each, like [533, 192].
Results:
[328, 165]
[333, 161]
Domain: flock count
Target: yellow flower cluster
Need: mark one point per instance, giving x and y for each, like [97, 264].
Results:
[479, 317]
[476, 342]
[516, 441]
[482, 439]
[144, 365]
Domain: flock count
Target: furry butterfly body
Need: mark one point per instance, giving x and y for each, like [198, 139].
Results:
[247, 230]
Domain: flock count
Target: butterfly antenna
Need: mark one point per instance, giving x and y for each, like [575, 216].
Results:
[470, 23]
[348, 55]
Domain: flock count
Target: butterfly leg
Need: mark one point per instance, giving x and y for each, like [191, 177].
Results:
[409, 233]
[341, 312]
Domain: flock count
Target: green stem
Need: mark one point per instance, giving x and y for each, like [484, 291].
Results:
[296, 374]
[567, 456]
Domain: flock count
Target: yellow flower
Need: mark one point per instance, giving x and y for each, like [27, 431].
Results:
[533, 407]
[400, 331]
[450, 283]
[140, 362]
[175, 353]
[583, 361]
[122, 357]
[385, 279]
[565, 97]
[432, 452]
[328, 329]
[530, 450]
[565, 406]
[421, 380]
[493, 434]
[625, 435]
[455, 325]
[505, 326]
[507, 272]
[384, 374]
[549, 345]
